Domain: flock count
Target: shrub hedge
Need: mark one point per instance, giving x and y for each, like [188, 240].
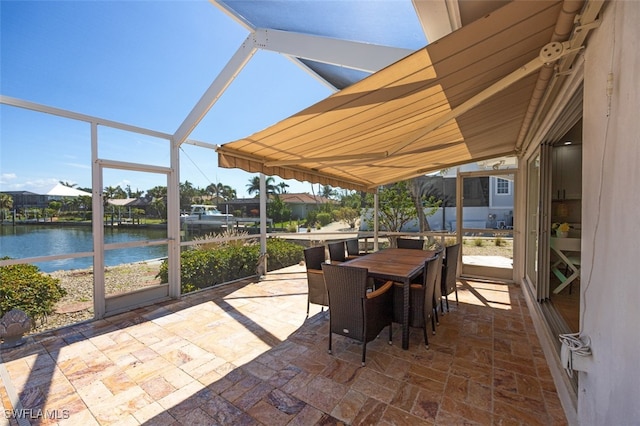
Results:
[206, 268]
[25, 287]
[324, 218]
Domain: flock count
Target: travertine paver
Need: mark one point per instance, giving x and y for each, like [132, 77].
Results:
[244, 353]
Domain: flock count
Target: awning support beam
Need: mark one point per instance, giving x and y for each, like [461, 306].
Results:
[231, 70]
[344, 53]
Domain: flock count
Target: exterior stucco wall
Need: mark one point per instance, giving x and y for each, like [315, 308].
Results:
[609, 391]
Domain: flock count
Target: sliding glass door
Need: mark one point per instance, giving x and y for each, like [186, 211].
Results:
[485, 220]
[533, 218]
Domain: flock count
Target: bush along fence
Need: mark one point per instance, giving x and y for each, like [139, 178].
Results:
[202, 268]
[26, 288]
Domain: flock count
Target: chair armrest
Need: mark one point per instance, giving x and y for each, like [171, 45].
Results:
[413, 285]
[382, 289]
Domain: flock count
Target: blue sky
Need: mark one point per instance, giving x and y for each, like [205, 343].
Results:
[143, 63]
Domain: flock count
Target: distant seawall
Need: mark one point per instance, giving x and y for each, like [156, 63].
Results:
[72, 223]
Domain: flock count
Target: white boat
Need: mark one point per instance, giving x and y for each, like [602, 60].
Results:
[206, 214]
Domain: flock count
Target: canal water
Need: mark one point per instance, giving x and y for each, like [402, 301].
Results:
[45, 240]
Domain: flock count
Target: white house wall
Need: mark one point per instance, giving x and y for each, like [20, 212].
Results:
[609, 390]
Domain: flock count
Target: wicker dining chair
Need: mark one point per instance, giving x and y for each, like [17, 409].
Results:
[314, 257]
[337, 252]
[410, 243]
[353, 248]
[356, 313]
[421, 306]
[437, 291]
[450, 272]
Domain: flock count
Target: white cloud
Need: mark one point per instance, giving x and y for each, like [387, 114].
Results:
[38, 186]
[7, 177]
[79, 166]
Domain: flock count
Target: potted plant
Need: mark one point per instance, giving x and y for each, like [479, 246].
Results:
[561, 229]
[13, 325]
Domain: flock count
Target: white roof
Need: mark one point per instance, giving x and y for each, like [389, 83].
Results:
[61, 190]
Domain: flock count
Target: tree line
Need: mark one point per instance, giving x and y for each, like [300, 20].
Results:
[399, 203]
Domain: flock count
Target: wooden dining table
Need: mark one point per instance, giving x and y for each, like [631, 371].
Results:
[400, 265]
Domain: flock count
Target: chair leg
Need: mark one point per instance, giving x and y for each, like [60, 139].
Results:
[308, 304]
[364, 352]
[426, 339]
[329, 340]
[391, 334]
[457, 303]
[433, 323]
[435, 312]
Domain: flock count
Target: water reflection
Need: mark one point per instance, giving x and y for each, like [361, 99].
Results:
[35, 240]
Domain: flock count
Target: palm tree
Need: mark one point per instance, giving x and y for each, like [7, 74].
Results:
[6, 203]
[327, 191]
[133, 194]
[212, 189]
[228, 193]
[282, 187]
[109, 193]
[67, 184]
[158, 195]
[84, 203]
[254, 185]
[115, 192]
[67, 203]
[187, 194]
[221, 191]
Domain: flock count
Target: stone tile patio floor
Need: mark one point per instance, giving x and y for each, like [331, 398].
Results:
[244, 354]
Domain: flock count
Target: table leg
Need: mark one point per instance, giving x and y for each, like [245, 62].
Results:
[564, 280]
[405, 313]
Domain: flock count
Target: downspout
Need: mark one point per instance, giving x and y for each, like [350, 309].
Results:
[563, 28]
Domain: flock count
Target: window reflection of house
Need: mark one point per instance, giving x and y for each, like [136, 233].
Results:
[301, 204]
[488, 201]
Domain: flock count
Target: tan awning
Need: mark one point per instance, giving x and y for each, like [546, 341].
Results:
[413, 117]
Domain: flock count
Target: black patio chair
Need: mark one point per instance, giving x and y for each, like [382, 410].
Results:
[314, 257]
[413, 244]
[337, 252]
[410, 243]
[437, 291]
[450, 272]
[353, 248]
[421, 306]
[356, 313]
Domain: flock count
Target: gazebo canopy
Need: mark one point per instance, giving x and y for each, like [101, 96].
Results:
[61, 190]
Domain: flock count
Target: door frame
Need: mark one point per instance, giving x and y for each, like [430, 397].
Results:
[484, 271]
[104, 305]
